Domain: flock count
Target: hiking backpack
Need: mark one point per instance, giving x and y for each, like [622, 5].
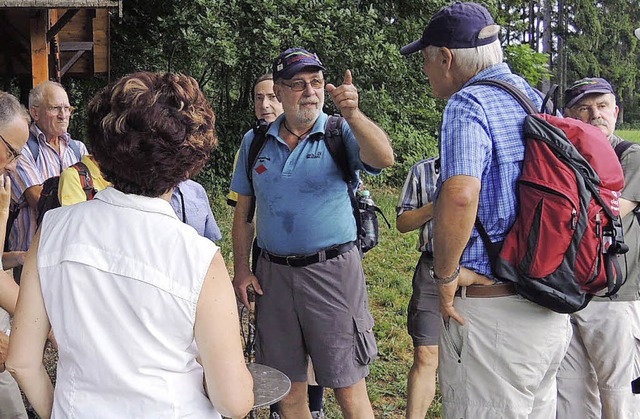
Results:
[338, 151]
[564, 244]
[49, 195]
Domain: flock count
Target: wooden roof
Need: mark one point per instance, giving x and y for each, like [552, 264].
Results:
[60, 4]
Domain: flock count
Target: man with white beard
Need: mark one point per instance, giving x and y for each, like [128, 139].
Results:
[311, 294]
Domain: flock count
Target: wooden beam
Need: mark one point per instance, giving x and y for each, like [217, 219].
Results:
[76, 46]
[39, 59]
[60, 4]
[66, 17]
[71, 62]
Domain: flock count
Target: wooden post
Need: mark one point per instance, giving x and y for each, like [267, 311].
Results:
[39, 53]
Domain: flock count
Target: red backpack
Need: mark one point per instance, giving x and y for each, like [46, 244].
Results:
[564, 244]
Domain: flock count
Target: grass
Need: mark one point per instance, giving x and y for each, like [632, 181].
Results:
[629, 135]
[389, 269]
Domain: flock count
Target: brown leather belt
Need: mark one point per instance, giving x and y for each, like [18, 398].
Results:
[488, 291]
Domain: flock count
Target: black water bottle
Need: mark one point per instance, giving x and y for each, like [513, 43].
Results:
[369, 221]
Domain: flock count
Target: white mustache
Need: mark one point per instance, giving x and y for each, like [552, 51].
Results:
[309, 102]
[599, 121]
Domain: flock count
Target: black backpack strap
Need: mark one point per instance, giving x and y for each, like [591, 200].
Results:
[86, 181]
[550, 101]
[338, 151]
[493, 248]
[516, 93]
[622, 147]
[259, 139]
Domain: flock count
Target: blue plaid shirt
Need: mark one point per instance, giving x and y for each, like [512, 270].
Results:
[482, 137]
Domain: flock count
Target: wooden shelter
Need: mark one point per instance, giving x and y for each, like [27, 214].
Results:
[50, 38]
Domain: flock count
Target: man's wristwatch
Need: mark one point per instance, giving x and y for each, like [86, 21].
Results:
[445, 280]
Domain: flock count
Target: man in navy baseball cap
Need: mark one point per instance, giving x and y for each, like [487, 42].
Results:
[586, 86]
[590, 381]
[307, 234]
[499, 353]
[455, 26]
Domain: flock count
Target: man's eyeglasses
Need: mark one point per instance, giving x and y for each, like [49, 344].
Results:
[57, 109]
[14, 153]
[300, 85]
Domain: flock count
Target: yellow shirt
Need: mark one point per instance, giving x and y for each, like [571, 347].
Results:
[70, 190]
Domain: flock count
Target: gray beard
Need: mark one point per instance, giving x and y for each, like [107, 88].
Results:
[307, 116]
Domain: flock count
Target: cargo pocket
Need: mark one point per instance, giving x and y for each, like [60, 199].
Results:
[365, 346]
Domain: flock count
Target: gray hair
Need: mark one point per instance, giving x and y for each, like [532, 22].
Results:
[37, 93]
[471, 61]
[10, 108]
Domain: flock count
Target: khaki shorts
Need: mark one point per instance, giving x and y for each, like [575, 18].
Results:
[320, 310]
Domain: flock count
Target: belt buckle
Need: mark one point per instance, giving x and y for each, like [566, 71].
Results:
[288, 258]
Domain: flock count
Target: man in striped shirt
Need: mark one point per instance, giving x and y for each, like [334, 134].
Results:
[47, 153]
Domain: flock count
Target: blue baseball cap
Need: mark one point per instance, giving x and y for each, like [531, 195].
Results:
[293, 61]
[586, 86]
[455, 26]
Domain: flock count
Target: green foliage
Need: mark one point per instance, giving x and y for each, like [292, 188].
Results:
[526, 62]
[629, 135]
[226, 45]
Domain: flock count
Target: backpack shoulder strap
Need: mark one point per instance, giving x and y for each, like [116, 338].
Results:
[33, 145]
[86, 181]
[75, 147]
[337, 148]
[259, 139]
[516, 93]
[622, 147]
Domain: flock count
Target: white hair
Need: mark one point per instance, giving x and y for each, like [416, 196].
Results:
[37, 93]
[471, 61]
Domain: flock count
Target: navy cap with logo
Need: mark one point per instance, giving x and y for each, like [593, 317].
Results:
[455, 26]
[293, 61]
[584, 87]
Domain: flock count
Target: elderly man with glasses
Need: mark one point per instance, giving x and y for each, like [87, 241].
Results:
[47, 153]
[14, 131]
[312, 298]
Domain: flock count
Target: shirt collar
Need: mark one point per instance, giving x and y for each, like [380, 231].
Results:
[318, 126]
[112, 196]
[495, 71]
[37, 132]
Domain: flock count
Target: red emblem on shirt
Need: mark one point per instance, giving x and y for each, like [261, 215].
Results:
[261, 169]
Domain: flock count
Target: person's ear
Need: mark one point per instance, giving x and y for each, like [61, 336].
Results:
[446, 57]
[33, 111]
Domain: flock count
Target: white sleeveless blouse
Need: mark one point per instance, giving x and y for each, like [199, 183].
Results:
[121, 277]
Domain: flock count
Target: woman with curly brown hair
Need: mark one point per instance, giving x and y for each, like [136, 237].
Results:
[142, 306]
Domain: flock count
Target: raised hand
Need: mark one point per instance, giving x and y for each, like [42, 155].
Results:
[345, 96]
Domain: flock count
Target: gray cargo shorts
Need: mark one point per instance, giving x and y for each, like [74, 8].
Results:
[424, 320]
[320, 310]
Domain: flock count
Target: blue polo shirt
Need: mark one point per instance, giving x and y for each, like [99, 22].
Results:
[302, 204]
